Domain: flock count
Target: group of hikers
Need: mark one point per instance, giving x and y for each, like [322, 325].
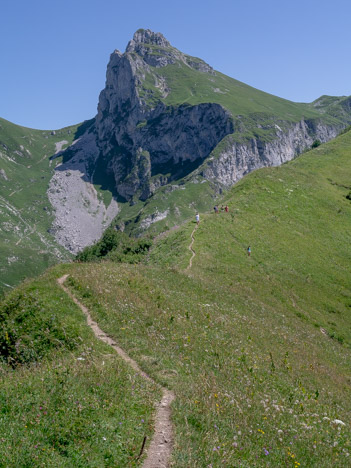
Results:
[216, 210]
[223, 208]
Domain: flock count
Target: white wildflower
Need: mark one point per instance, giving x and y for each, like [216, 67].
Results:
[338, 421]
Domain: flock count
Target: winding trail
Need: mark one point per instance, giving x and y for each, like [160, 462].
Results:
[191, 248]
[159, 451]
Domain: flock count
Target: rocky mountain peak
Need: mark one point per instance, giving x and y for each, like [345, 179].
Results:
[146, 36]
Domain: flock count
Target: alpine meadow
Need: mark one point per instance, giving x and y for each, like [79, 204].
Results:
[132, 335]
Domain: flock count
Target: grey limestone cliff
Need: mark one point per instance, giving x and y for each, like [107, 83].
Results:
[146, 144]
[143, 140]
[237, 159]
[129, 126]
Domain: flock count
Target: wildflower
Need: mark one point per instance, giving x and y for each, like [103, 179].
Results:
[265, 451]
[338, 421]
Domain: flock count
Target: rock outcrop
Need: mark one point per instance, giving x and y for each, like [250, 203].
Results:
[146, 134]
[238, 159]
[146, 144]
[3, 174]
[138, 139]
[80, 214]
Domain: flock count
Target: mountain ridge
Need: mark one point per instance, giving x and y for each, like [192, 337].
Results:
[170, 135]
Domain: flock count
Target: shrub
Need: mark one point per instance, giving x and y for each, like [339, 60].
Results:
[28, 330]
[116, 246]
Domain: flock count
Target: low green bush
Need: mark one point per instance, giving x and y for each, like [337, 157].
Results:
[116, 246]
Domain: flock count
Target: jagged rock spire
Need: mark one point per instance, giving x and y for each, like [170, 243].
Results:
[146, 36]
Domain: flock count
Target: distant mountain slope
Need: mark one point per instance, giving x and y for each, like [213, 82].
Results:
[256, 349]
[171, 134]
[25, 211]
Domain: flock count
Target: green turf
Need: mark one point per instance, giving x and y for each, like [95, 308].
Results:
[249, 106]
[257, 349]
[66, 399]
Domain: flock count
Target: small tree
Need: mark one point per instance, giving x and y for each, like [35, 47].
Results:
[316, 143]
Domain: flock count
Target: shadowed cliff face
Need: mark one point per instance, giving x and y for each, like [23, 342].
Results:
[165, 116]
[172, 140]
[145, 143]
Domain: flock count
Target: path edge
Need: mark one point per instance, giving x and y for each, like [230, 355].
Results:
[161, 445]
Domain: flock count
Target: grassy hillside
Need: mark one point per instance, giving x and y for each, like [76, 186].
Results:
[66, 399]
[25, 212]
[182, 82]
[257, 349]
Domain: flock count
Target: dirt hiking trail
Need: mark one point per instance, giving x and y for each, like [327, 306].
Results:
[160, 448]
[191, 248]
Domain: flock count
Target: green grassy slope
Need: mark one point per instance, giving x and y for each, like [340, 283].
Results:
[66, 399]
[185, 84]
[25, 212]
[257, 349]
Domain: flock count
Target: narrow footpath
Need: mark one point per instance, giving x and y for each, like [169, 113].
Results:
[160, 448]
[191, 248]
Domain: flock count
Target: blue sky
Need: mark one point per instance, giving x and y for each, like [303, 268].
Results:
[54, 53]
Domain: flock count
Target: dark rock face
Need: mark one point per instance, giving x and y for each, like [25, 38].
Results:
[143, 144]
[128, 128]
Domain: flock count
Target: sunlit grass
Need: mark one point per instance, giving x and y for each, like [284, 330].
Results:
[256, 349]
[66, 399]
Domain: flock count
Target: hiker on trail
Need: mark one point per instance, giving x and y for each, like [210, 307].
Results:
[249, 251]
[226, 209]
[222, 209]
[216, 209]
[197, 218]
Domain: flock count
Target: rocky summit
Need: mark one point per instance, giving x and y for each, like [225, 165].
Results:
[144, 142]
[164, 115]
